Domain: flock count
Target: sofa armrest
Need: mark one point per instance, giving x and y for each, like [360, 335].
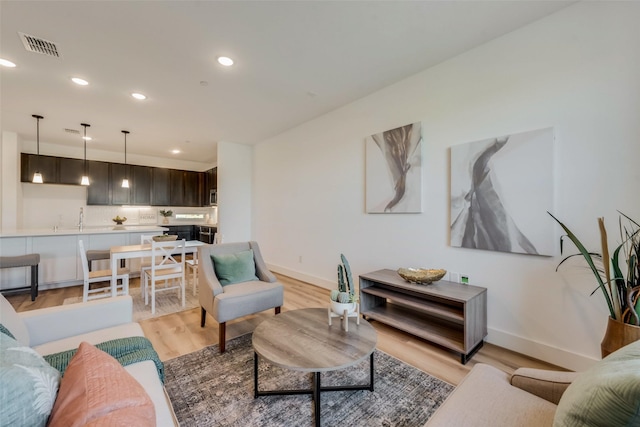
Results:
[549, 385]
[55, 323]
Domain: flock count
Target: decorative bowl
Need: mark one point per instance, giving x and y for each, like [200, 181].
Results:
[421, 275]
[165, 238]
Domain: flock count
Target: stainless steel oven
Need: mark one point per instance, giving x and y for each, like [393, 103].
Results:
[206, 233]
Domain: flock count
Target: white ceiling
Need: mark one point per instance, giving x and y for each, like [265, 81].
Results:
[294, 61]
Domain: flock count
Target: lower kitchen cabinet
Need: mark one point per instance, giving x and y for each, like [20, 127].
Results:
[182, 231]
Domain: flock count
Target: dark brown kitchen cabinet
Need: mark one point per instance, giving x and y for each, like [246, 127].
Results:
[210, 182]
[98, 190]
[193, 188]
[160, 189]
[141, 185]
[46, 165]
[119, 195]
[176, 184]
[70, 171]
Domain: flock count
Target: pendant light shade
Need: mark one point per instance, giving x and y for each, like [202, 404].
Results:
[37, 176]
[125, 181]
[85, 177]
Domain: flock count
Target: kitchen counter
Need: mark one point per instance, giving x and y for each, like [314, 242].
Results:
[86, 230]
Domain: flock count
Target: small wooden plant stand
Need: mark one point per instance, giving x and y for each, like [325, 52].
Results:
[345, 316]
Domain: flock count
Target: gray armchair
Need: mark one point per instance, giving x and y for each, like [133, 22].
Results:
[236, 300]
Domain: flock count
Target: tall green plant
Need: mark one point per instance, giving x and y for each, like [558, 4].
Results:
[619, 290]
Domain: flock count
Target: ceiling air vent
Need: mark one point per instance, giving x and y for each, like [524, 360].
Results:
[38, 45]
[73, 131]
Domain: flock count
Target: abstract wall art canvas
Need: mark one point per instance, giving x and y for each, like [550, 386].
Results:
[394, 170]
[501, 190]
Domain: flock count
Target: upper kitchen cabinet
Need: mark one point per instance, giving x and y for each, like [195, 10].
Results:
[46, 165]
[160, 187]
[141, 177]
[98, 190]
[186, 188]
[176, 185]
[210, 183]
[70, 171]
[193, 188]
[119, 195]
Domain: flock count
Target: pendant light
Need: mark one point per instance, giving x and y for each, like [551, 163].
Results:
[125, 181]
[37, 176]
[85, 177]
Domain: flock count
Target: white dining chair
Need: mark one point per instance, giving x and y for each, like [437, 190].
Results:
[192, 272]
[168, 267]
[91, 277]
[145, 263]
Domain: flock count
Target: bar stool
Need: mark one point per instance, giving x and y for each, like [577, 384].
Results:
[29, 260]
[96, 254]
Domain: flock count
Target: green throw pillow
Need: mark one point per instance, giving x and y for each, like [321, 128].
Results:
[234, 268]
[28, 385]
[607, 394]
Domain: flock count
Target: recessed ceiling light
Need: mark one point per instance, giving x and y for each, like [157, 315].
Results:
[138, 96]
[6, 63]
[227, 62]
[176, 151]
[79, 81]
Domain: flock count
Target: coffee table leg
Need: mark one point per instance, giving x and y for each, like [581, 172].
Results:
[255, 375]
[316, 397]
[371, 373]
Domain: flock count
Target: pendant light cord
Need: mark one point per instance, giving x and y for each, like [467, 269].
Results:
[37, 117]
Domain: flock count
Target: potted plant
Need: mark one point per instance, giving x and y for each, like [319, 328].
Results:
[166, 214]
[620, 285]
[344, 297]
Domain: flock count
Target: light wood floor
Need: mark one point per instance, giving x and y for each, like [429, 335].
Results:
[180, 333]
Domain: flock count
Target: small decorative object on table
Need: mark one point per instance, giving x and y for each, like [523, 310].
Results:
[165, 238]
[119, 220]
[344, 302]
[421, 276]
[166, 215]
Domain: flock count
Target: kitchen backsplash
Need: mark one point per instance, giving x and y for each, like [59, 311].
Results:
[59, 205]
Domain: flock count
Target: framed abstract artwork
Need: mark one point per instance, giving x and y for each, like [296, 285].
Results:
[501, 190]
[394, 170]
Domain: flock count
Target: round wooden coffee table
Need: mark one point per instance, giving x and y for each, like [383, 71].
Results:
[302, 340]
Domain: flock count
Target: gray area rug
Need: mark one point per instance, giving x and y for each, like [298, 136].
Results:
[209, 389]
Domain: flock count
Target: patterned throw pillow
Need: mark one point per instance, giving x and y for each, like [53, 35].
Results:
[28, 385]
[607, 394]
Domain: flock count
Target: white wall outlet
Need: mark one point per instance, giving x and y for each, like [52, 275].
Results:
[454, 277]
[300, 259]
[464, 279]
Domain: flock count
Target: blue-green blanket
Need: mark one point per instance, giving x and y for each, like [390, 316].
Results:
[125, 350]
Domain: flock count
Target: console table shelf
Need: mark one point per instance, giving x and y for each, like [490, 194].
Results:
[446, 313]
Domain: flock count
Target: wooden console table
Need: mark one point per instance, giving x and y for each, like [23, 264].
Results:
[445, 313]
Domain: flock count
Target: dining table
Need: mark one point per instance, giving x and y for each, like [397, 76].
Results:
[141, 251]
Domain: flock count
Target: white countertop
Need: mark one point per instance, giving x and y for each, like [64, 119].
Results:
[86, 230]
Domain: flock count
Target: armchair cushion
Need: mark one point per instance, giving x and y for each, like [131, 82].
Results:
[28, 385]
[607, 394]
[234, 268]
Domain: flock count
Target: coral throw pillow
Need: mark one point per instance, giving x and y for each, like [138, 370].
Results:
[97, 391]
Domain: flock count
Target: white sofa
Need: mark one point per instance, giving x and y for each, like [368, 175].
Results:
[56, 329]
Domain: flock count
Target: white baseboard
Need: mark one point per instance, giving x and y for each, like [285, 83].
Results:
[317, 281]
[537, 350]
[540, 351]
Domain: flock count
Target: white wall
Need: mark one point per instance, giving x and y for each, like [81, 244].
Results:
[576, 71]
[235, 163]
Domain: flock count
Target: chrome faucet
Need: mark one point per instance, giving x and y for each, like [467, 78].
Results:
[81, 221]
